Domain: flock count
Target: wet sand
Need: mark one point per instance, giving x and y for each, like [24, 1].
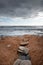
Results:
[9, 46]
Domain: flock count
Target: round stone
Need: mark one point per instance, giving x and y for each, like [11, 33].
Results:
[25, 62]
[23, 50]
[24, 43]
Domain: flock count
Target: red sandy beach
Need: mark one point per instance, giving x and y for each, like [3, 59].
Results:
[9, 46]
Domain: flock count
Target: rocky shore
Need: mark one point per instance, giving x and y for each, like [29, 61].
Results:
[9, 46]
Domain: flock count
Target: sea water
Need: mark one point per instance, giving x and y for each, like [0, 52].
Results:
[20, 30]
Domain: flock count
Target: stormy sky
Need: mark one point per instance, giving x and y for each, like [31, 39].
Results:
[21, 12]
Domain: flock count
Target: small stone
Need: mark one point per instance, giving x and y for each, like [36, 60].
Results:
[23, 50]
[8, 45]
[24, 43]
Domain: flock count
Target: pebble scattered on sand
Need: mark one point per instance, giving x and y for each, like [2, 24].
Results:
[8, 45]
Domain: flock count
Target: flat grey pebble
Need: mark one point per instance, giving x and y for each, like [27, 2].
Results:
[24, 43]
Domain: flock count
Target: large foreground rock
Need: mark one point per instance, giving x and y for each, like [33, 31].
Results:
[17, 62]
[25, 62]
[23, 50]
[22, 62]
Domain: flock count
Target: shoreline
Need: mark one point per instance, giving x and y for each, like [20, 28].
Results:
[36, 34]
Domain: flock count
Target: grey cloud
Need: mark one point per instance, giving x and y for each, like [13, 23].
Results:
[20, 8]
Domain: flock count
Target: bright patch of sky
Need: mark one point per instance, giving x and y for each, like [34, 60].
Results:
[8, 21]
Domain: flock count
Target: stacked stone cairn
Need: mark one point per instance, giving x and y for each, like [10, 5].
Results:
[23, 53]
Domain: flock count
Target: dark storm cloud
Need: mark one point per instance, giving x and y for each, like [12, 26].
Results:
[20, 8]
